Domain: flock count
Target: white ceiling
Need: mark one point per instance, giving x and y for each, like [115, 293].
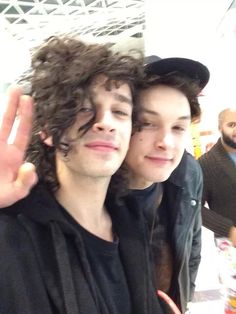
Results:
[25, 23]
[30, 21]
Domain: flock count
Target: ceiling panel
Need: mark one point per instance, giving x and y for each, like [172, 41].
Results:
[30, 21]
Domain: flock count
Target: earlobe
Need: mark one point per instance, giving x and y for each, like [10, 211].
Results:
[46, 140]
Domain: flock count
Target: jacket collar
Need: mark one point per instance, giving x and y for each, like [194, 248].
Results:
[179, 175]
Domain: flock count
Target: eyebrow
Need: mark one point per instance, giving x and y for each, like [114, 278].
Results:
[117, 96]
[155, 113]
[123, 98]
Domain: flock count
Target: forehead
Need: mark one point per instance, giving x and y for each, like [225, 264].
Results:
[101, 84]
[164, 99]
[229, 116]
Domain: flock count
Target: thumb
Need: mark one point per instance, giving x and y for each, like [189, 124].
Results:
[168, 301]
[27, 177]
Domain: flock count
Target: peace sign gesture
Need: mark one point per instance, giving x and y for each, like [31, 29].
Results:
[16, 176]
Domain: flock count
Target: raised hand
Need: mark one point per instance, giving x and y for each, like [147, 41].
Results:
[16, 176]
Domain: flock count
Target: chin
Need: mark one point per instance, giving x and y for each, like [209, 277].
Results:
[161, 176]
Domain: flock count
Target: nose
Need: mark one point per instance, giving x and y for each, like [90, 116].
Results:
[104, 122]
[164, 140]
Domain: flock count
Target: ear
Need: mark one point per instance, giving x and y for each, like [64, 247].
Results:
[46, 140]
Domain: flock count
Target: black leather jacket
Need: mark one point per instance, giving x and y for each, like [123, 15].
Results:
[184, 190]
[182, 199]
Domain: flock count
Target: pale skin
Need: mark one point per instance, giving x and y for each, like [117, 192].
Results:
[16, 177]
[232, 235]
[157, 149]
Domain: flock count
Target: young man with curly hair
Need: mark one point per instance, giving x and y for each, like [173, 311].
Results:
[63, 250]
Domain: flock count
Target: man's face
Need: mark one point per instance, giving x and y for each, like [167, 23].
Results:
[157, 149]
[101, 150]
[228, 129]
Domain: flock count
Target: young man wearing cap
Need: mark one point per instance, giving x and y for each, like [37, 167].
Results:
[166, 181]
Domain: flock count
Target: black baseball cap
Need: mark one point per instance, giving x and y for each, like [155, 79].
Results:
[195, 70]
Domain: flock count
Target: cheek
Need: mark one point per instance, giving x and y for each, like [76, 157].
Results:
[136, 139]
[178, 155]
[136, 145]
[125, 131]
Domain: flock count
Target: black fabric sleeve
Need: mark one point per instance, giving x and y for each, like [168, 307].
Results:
[21, 288]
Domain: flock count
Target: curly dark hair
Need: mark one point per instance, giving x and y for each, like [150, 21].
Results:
[189, 87]
[62, 70]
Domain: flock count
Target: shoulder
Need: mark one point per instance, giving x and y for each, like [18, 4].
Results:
[192, 164]
[208, 159]
[188, 170]
[189, 175]
[12, 234]
[194, 176]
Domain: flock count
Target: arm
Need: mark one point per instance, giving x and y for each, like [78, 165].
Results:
[215, 222]
[16, 177]
[22, 289]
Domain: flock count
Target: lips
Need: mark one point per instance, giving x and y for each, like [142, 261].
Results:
[102, 146]
[157, 159]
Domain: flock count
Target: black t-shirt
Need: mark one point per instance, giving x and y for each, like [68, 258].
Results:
[107, 269]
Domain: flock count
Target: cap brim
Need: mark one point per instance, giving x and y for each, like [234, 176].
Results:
[191, 68]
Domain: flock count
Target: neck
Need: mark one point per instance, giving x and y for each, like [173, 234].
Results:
[83, 198]
[138, 183]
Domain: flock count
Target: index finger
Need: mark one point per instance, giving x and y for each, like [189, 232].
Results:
[14, 93]
[25, 123]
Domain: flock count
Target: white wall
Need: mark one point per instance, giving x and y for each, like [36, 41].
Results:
[201, 30]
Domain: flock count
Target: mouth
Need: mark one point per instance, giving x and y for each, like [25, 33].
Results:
[159, 160]
[102, 146]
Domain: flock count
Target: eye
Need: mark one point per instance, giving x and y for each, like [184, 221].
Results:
[232, 124]
[146, 125]
[179, 128]
[121, 113]
[86, 109]
[122, 110]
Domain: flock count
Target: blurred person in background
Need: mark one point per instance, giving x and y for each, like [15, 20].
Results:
[219, 174]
